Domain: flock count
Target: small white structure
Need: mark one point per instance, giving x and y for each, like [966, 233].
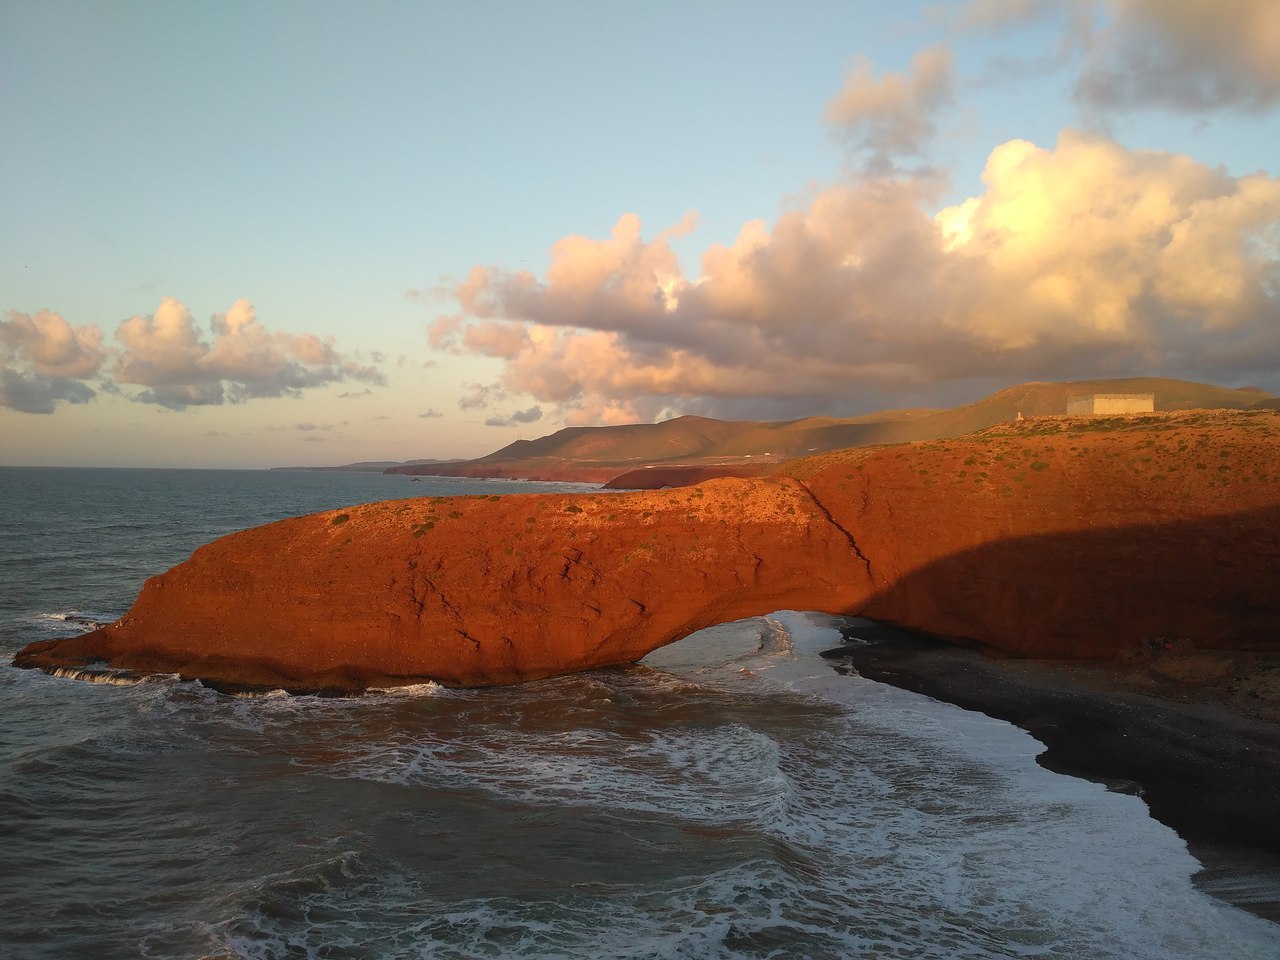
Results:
[1096, 403]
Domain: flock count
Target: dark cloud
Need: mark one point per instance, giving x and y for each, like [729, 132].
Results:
[479, 396]
[1185, 55]
[532, 415]
[33, 393]
[181, 396]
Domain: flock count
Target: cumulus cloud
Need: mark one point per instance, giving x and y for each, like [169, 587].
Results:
[430, 414]
[53, 347]
[479, 396]
[1000, 13]
[1185, 54]
[44, 359]
[180, 367]
[623, 279]
[442, 332]
[1084, 258]
[895, 115]
[532, 415]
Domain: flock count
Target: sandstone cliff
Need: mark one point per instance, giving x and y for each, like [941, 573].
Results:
[1073, 538]
[475, 590]
[1049, 537]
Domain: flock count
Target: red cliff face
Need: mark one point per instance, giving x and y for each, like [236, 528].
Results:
[1048, 538]
[476, 590]
[1072, 538]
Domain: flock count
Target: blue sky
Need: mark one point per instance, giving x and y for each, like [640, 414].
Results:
[246, 234]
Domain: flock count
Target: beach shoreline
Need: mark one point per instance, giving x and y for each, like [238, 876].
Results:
[1195, 734]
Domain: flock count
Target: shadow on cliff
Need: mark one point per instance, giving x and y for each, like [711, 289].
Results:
[1207, 583]
[1210, 584]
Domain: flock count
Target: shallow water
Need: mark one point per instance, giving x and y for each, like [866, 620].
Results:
[731, 797]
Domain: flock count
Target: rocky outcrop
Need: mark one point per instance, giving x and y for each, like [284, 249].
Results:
[1073, 538]
[475, 590]
[1046, 538]
[656, 478]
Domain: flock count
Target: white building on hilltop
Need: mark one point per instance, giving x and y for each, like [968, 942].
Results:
[1096, 403]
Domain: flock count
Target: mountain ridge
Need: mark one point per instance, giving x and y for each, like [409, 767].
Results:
[602, 454]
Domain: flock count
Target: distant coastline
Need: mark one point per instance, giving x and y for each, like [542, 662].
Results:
[689, 449]
[367, 466]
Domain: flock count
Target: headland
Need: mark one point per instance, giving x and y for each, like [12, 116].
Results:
[1107, 582]
[1077, 538]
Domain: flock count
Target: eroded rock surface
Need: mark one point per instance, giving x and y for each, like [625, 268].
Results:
[1048, 538]
[476, 590]
[1073, 538]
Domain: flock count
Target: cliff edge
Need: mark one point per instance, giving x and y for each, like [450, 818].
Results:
[1051, 537]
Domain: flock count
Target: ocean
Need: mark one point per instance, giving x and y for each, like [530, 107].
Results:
[733, 796]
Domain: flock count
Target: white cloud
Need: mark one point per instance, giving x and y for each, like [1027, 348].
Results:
[1084, 258]
[999, 13]
[44, 359]
[442, 332]
[166, 353]
[895, 115]
[53, 347]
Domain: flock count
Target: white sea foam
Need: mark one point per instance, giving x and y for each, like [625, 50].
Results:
[973, 824]
[123, 678]
[896, 820]
[728, 774]
[66, 623]
[427, 689]
[803, 813]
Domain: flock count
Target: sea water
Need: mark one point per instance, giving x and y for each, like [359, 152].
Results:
[732, 796]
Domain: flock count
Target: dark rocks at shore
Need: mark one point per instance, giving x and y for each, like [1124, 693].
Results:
[1204, 768]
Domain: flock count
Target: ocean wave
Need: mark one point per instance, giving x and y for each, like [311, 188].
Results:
[630, 813]
[411, 690]
[68, 622]
[101, 674]
[714, 775]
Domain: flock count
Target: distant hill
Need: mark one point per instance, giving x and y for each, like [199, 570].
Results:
[591, 452]
[370, 466]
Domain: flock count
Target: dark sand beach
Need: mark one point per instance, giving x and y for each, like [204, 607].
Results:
[1196, 734]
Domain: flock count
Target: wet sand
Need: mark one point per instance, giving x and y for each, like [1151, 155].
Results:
[1196, 734]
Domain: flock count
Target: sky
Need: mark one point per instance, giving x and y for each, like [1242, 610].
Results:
[253, 234]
